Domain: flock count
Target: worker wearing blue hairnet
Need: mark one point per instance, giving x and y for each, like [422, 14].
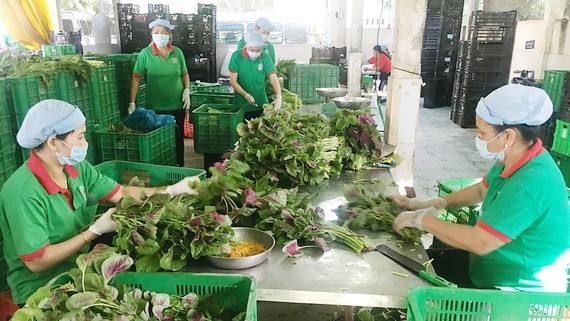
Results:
[521, 238]
[48, 205]
[265, 27]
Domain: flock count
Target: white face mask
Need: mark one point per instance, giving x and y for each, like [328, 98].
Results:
[253, 54]
[78, 154]
[484, 151]
[160, 40]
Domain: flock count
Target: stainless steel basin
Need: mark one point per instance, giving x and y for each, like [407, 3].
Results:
[354, 103]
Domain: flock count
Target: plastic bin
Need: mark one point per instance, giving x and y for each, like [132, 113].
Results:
[103, 89]
[216, 133]
[7, 163]
[464, 215]
[58, 50]
[3, 102]
[26, 92]
[306, 78]
[235, 292]
[198, 99]
[153, 175]
[155, 147]
[74, 91]
[561, 142]
[445, 304]
[563, 163]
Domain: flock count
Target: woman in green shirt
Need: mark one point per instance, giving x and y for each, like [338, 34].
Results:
[47, 207]
[167, 83]
[522, 236]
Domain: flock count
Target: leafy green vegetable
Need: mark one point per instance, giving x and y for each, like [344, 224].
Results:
[375, 212]
[46, 67]
[121, 128]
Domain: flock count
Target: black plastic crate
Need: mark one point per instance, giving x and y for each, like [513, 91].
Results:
[437, 93]
[547, 130]
[495, 34]
[481, 18]
[158, 8]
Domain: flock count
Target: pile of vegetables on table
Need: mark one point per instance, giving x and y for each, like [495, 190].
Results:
[88, 293]
[289, 99]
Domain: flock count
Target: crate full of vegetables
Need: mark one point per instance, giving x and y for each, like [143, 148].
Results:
[215, 127]
[151, 175]
[121, 143]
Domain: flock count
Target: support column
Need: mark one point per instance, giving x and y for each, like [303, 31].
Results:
[404, 86]
[553, 12]
[355, 55]
[338, 23]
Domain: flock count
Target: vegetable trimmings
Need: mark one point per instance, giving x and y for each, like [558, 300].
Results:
[246, 248]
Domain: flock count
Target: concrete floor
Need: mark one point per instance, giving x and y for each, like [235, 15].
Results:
[444, 151]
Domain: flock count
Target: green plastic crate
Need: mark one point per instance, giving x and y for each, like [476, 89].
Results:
[563, 163]
[561, 142]
[103, 89]
[464, 215]
[216, 133]
[152, 175]
[140, 100]
[26, 92]
[58, 50]
[4, 111]
[306, 78]
[155, 147]
[74, 91]
[8, 164]
[199, 86]
[198, 99]
[446, 304]
[237, 293]
[555, 84]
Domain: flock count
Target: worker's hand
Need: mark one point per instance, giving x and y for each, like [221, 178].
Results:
[412, 204]
[277, 102]
[186, 98]
[131, 108]
[183, 187]
[414, 218]
[104, 224]
[250, 99]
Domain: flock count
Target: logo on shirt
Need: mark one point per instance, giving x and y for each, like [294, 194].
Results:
[174, 60]
[266, 51]
[82, 191]
[260, 66]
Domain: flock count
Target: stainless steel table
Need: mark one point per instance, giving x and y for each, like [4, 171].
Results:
[339, 276]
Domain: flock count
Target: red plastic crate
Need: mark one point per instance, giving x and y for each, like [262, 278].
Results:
[188, 128]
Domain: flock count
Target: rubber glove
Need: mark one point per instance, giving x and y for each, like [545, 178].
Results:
[414, 218]
[131, 108]
[186, 98]
[250, 99]
[412, 204]
[182, 187]
[104, 224]
[277, 102]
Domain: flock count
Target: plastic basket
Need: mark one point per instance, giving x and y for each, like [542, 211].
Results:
[155, 147]
[7, 163]
[198, 99]
[199, 86]
[235, 292]
[140, 100]
[464, 215]
[216, 133]
[556, 83]
[562, 138]
[26, 92]
[3, 102]
[563, 163]
[58, 50]
[306, 78]
[152, 175]
[103, 89]
[445, 304]
[75, 92]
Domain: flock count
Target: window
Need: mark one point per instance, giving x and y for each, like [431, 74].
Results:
[67, 25]
[229, 32]
[295, 33]
[276, 36]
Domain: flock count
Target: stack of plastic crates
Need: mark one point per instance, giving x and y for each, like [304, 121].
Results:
[205, 93]
[447, 304]
[8, 162]
[236, 293]
[58, 50]
[216, 132]
[306, 78]
[556, 83]
[155, 147]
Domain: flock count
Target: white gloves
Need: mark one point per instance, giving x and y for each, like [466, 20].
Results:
[131, 108]
[414, 218]
[250, 99]
[182, 187]
[186, 98]
[412, 204]
[277, 102]
[104, 224]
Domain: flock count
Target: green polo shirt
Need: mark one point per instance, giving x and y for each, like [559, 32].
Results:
[268, 49]
[164, 85]
[251, 77]
[527, 208]
[35, 213]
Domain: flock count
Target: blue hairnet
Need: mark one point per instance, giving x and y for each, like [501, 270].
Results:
[515, 105]
[264, 24]
[253, 39]
[383, 47]
[48, 118]
[161, 22]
